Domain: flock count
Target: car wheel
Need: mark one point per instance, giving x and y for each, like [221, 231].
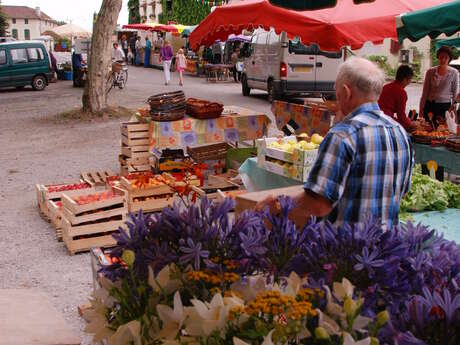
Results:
[244, 86]
[39, 83]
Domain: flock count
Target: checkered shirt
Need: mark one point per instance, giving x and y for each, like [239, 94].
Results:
[364, 167]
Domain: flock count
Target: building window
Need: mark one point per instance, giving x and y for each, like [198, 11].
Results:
[26, 21]
[26, 34]
[14, 32]
[14, 20]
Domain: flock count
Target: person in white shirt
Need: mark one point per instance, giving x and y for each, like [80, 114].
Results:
[117, 53]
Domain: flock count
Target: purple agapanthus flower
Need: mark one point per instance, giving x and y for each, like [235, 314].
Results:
[368, 261]
[192, 253]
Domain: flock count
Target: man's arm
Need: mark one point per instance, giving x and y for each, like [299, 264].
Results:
[401, 112]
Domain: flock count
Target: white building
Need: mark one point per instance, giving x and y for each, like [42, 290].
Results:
[150, 10]
[27, 23]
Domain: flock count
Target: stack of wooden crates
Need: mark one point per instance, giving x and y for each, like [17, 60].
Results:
[135, 147]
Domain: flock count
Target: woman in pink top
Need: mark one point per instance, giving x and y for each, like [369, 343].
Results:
[440, 87]
[180, 65]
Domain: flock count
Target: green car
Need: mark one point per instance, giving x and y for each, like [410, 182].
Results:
[24, 63]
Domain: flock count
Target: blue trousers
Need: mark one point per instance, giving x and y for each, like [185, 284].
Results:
[147, 57]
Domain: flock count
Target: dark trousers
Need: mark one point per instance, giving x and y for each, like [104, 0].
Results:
[126, 53]
[236, 74]
[437, 109]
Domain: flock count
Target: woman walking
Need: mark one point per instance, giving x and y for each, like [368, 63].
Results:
[166, 55]
[180, 65]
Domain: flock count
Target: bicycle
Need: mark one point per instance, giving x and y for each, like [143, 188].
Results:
[117, 77]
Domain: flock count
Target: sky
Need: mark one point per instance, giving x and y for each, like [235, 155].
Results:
[79, 12]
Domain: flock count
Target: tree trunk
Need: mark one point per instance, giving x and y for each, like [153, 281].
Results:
[95, 96]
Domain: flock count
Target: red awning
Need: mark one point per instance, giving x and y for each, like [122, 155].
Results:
[346, 24]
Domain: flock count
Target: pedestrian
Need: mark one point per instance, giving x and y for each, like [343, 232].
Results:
[148, 46]
[235, 58]
[180, 65]
[132, 47]
[166, 55]
[124, 45]
[364, 164]
[440, 87]
[393, 98]
[138, 48]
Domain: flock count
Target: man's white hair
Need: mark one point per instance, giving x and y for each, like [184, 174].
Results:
[362, 75]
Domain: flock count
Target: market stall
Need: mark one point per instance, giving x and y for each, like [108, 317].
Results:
[346, 24]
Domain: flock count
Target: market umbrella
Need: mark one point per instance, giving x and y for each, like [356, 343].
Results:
[346, 24]
[432, 21]
[451, 42]
[303, 5]
[240, 38]
[70, 30]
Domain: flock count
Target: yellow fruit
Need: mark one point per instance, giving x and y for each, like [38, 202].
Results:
[292, 142]
[275, 145]
[309, 146]
[316, 138]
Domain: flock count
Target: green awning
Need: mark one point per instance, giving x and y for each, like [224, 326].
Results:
[451, 42]
[431, 21]
[306, 5]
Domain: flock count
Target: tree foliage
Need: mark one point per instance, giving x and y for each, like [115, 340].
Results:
[134, 15]
[3, 22]
[186, 12]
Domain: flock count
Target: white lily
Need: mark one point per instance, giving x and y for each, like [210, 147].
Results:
[238, 341]
[205, 318]
[129, 332]
[97, 321]
[251, 287]
[172, 318]
[293, 284]
[348, 340]
[163, 280]
[328, 323]
[344, 289]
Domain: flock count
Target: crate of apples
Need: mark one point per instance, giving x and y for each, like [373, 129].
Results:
[92, 198]
[67, 187]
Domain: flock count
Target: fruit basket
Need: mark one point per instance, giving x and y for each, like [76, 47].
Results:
[169, 106]
[203, 110]
[428, 137]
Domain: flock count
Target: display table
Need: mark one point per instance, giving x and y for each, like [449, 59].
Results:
[442, 156]
[257, 179]
[236, 125]
[218, 72]
[306, 118]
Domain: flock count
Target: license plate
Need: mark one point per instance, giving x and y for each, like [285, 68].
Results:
[302, 69]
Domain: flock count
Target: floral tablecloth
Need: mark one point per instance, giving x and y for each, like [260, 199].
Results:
[237, 124]
[442, 156]
[308, 119]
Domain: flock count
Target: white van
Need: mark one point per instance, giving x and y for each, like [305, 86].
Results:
[286, 67]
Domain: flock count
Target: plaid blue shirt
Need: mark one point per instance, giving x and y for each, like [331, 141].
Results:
[364, 167]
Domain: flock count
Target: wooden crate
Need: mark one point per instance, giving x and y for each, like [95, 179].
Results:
[96, 178]
[92, 225]
[43, 194]
[141, 151]
[127, 169]
[55, 213]
[148, 199]
[138, 161]
[135, 134]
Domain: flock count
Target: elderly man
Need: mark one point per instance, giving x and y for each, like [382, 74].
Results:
[364, 164]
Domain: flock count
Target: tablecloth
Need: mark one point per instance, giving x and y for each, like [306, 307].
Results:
[257, 179]
[442, 156]
[236, 125]
[308, 119]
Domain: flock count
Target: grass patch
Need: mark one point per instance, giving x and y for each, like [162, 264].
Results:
[105, 114]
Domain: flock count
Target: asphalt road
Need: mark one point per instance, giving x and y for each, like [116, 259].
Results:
[36, 148]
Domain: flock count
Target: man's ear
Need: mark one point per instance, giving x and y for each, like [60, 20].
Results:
[347, 91]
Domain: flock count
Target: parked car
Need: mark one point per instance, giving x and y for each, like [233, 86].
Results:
[286, 67]
[24, 63]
